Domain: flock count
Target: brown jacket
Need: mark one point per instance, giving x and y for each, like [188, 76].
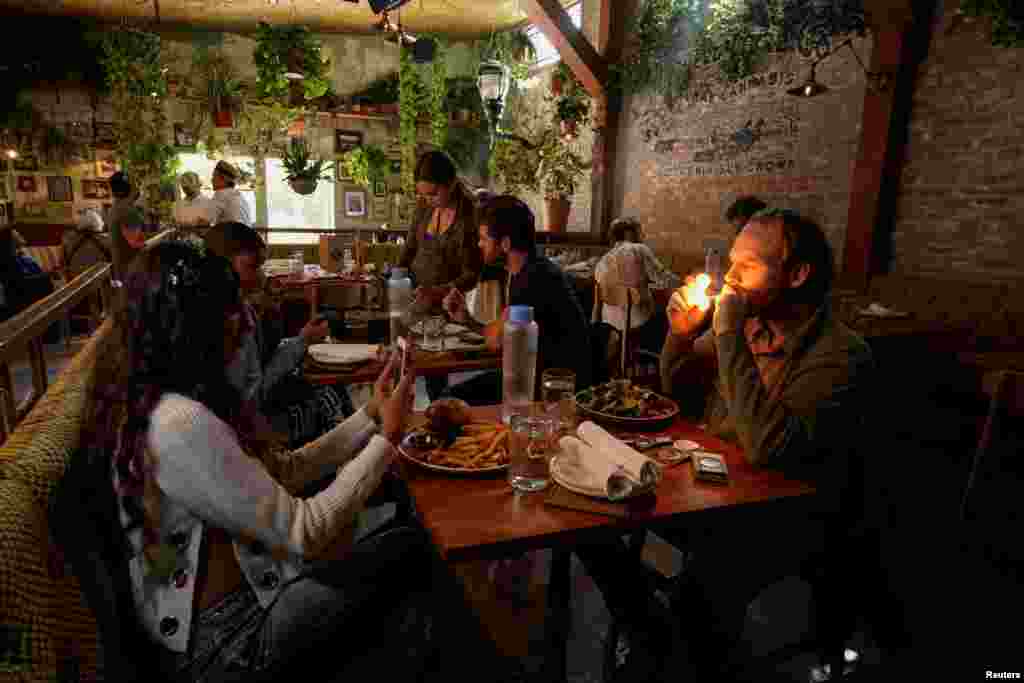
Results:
[460, 262]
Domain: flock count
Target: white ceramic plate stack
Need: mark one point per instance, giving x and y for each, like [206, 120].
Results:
[343, 354]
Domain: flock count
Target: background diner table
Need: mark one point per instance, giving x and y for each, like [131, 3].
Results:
[428, 364]
[479, 517]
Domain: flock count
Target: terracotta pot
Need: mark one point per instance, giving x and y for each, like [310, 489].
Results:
[223, 119]
[303, 185]
[568, 128]
[556, 213]
[297, 127]
[390, 108]
[556, 84]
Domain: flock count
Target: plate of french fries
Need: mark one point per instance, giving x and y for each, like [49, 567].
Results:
[478, 447]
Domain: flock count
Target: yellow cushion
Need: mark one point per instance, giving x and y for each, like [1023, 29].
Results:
[47, 627]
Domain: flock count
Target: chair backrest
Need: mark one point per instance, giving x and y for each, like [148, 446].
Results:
[624, 297]
[990, 510]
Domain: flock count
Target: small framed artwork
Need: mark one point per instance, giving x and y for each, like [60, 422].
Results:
[380, 209]
[396, 166]
[95, 189]
[355, 203]
[103, 134]
[345, 140]
[234, 139]
[27, 184]
[380, 188]
[106, 163]
[59, 189]
[26, 162]
[183, 136]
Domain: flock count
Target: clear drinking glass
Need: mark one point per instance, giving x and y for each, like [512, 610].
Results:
[558, 389]
[433, 333]
[533, 443]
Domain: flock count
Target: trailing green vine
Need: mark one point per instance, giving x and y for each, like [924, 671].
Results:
[135, 70]
[413, 100]
[366, 164]
[439, 95]
[1007, 19]
[730, 40]
[281, 49]
[653, 60]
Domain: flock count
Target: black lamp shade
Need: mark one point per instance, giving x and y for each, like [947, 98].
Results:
[379, 6]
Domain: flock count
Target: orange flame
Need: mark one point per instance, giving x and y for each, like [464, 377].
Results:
[696, 293]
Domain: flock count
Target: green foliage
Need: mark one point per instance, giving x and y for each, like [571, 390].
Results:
[366, 164]
[280, 49]
[381, 91]
[215, 79]
[512, 48]
[413, 100]
[131, 60]
[653, 60]
[259, 124]
[439, 95]
[298, 162]
[728, 38]
[571, 108]
[560, 167]
[1007, 19]
[515, 166]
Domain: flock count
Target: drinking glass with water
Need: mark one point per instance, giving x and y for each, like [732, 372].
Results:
[433, 333]
[558, 389]
[533, 443]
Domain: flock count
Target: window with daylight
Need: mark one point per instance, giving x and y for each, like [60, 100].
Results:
[288, 209]
[546, 52]
[202, 166]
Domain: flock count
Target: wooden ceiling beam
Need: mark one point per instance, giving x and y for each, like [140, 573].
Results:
[575, 50]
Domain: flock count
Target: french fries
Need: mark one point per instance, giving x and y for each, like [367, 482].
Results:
[482, 445]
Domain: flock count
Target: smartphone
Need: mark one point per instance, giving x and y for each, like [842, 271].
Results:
[403, 348]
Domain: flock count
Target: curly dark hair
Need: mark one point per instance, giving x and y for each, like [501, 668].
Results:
[168, 336]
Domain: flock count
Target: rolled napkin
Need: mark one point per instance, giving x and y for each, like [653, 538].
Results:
[598, 462]
[877, 310]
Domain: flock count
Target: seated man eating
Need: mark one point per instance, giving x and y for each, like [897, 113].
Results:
[507, 229]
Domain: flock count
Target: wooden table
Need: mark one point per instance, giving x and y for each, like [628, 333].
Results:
[428, 364]
[481, 517]
[309, 287]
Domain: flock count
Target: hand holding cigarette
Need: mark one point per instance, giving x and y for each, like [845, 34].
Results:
[689, 306]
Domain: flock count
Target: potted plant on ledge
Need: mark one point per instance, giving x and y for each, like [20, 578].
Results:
[559, 172]
[303, 171]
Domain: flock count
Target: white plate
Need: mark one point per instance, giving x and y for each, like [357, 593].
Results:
[343, 354]
[558, 466]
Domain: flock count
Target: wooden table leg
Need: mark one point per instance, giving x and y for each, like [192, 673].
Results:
[558, 618]
[8, 414]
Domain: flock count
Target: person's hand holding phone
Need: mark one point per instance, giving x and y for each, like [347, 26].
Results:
[391, 405]
[455, 305]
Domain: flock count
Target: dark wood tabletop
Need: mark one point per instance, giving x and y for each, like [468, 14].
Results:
[428, 364]
[479, 516]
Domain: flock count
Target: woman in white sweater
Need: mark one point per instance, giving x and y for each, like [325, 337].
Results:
[231, 572]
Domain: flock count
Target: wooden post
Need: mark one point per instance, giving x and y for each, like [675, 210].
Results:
[901, 38]
[8, 413]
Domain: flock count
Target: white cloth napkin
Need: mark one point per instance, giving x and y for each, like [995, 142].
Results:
[876, 310]
[597, 461]
[342, 354]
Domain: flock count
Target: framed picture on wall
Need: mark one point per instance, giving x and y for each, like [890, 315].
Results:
[59, 189]
[380, 209]
[27, 184]
[95, 189]
[345, 140]
[106, 164]
[355, 203]
[183, 136]
[343, 175]
[26, 162]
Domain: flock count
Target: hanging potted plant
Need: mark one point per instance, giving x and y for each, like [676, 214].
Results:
[559, 171]
[303, 172]
[570, 110]
[366, 164]
[561, 75]
[290, 65]
[214, 78]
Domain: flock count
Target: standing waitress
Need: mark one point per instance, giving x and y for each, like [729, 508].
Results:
[441, 251]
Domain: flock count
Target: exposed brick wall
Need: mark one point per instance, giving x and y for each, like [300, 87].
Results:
[961, 194]
[678, 170]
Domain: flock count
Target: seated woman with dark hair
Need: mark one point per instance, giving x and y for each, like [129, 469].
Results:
[231, 573]
[268, 368]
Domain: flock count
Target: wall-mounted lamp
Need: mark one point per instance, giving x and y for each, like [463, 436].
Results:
[12, 154]
[493, 80]
[877, 82]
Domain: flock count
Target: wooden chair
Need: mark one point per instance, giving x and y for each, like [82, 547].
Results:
[631, 362]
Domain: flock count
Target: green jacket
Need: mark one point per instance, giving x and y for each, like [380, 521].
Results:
[811, 417]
